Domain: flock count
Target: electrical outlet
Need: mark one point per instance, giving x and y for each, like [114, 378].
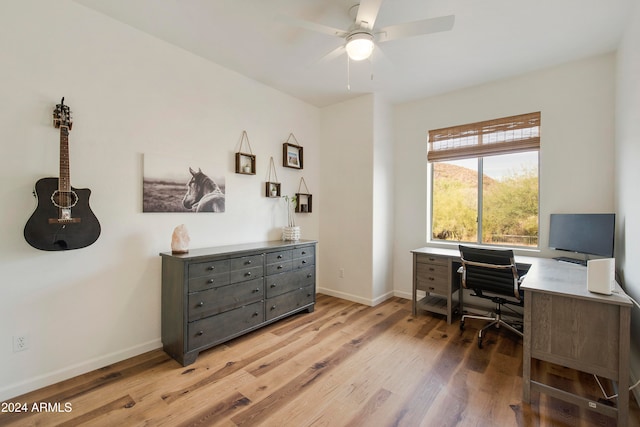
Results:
[20, 343]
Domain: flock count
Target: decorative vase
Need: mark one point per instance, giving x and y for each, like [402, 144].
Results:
[291, 233]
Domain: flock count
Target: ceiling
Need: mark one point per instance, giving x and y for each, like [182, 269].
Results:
[490, 40]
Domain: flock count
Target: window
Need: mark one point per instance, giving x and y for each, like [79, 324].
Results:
[484, 181]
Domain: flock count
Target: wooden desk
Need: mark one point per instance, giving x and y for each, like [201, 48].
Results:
[567, 325]
[434, 273]
[564, 324]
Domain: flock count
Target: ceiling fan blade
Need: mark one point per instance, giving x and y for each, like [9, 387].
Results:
[333, 54]
[312, 26]
[367, 13]
[416, 28]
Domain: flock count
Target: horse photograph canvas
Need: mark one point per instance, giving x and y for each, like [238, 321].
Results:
[178, 185]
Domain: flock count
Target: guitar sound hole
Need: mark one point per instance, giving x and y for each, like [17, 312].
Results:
[64, 199]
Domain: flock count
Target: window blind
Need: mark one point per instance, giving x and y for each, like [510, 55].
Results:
[492, 137]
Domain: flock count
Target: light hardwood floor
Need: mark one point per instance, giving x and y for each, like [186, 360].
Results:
[345, 364]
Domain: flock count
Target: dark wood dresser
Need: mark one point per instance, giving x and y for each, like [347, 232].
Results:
[212, 295]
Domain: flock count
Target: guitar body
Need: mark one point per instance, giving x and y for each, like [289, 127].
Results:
[44, 230]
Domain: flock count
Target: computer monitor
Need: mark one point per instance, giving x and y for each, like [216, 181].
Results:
[591, 234]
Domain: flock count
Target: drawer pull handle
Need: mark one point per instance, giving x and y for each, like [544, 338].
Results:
[248, 262]
[432, 259]
[432, 269]
[431, 288]
[280, 267]
[273, 307]
[309, 275]
[304, 252]
[279, 256]
[211, 267]
[248, 273]
[273, 285]
[201, 304]
[304, 261]
[432, 278]
[210, 281]
[200, 333]
[255, 313]
[256, 290]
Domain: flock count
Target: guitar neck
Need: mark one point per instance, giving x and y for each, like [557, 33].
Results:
[64, 184]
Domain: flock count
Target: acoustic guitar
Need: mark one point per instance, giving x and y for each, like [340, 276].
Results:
[63, 219]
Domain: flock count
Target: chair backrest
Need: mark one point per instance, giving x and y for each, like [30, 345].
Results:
[490, 270]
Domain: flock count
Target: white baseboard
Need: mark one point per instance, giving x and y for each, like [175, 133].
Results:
[31, 384]
[355, 298]
[344, 295]
[402, 294]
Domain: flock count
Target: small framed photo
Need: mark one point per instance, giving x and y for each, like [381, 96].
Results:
[292, 156]
[272, 189]
[245, 163]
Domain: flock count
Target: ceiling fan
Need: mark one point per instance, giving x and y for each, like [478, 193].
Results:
[362, 36]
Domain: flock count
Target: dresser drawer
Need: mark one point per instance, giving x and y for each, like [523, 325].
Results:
[290, 301]
[303, 262]
[207, 268]
[207, 282]
[246, 274]
[281, 283]
[222, 326]
[245, 262]
[279, 267]
[224, 298]
[281, 256]
[307, 251]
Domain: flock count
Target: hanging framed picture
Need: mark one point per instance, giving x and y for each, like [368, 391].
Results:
[245, 162]
[303, 200]
[292, 154]
[272, 186]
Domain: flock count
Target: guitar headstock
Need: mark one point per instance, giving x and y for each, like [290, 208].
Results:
[62, 116]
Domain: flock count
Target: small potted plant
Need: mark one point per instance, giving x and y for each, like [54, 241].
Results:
[291, 231]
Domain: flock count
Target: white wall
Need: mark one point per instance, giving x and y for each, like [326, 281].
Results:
[130, 94]
[576, 101]
[383, 201]
[357, 187]
[628, 175]
[346, 223]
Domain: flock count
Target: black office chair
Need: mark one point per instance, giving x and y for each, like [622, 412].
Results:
[492, 274]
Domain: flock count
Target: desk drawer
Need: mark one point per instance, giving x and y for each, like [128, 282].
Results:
[433, 278]
[432, 272]
[432, 259]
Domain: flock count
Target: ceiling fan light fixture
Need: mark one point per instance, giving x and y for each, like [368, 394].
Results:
[359, 46]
